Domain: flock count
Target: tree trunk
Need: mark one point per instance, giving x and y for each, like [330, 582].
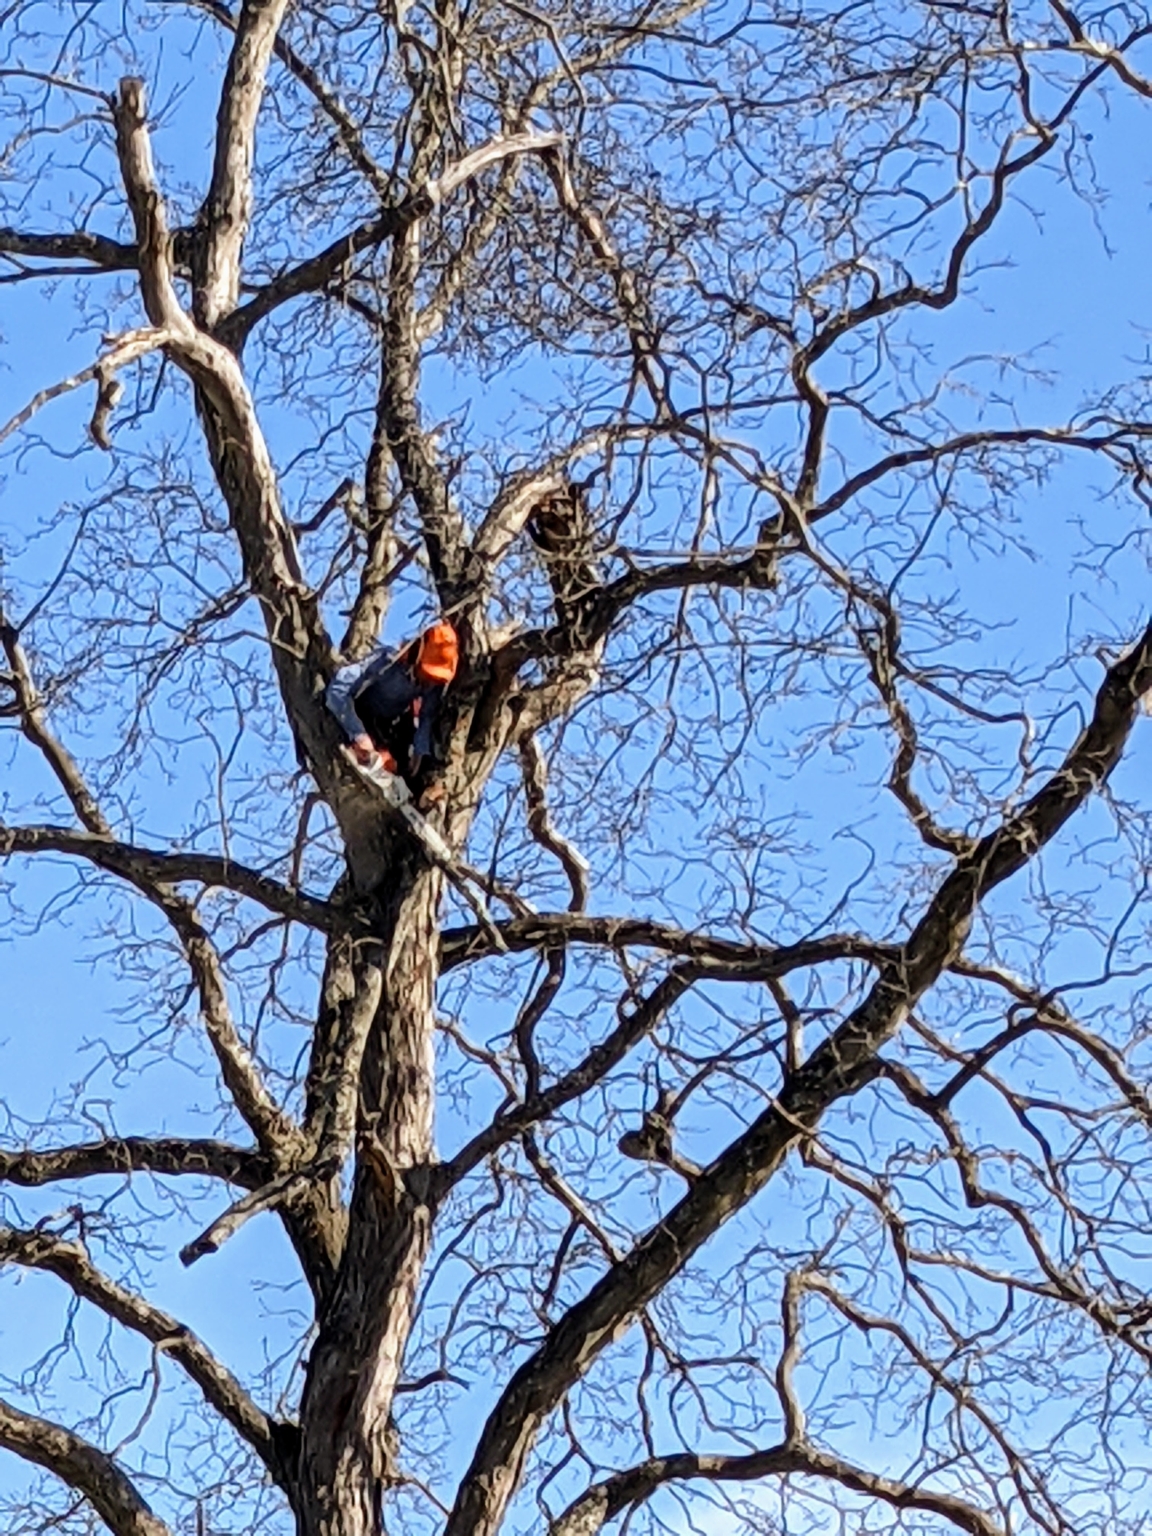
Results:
[357, 1359]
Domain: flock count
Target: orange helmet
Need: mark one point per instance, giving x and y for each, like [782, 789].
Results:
[437, 653]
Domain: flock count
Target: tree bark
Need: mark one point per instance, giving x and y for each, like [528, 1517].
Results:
[357, 1359]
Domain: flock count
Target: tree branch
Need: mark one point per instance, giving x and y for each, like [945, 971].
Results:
[34, 725]
[350, 996]
[273, 1128]
[730, 958]
[227, 209]
[958, 1389]
[1098, 49]
[122, 350]
[79, 1464]
[535, 775]
[969, 442]
[633, 310]
[170, 1155]
[380, 568]
[624, 1490]
[145, 867]
[881, 647]
[69, 1262]
[301, 649]
[78, 245]
[317, 271]
[329, 103]
[270, 1197]
[1048, 1015]
[443, 530]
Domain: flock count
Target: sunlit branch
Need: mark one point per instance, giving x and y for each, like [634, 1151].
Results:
[80, 1465]
[313, 274]
[145, 867]
[165, 1155]
[69, 1262]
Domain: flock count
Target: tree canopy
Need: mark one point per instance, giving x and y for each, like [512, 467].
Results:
[747, 1125]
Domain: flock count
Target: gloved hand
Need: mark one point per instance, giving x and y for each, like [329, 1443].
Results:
[365, 751]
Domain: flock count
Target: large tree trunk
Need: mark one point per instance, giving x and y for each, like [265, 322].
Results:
[356, 1362]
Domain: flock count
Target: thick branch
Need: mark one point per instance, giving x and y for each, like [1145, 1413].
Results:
[145, 867]
[603, 1502]
[379, 568]
[420, 474]
[82, 1467]
[309, 276]
[729, 958]
[227, 209]
[301, 650]
[329, 103]
[580, 640]
[169, 1155]
[78, 245]
[70, 1262]
[353, 983]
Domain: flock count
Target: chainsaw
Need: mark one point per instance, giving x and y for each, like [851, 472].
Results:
[398, 797]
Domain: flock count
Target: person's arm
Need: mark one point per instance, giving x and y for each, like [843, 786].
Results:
[342, 690]
[340, 694]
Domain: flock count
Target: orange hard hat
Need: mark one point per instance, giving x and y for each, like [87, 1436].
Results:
[437, 654]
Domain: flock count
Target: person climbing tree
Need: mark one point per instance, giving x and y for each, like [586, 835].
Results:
[387, 704]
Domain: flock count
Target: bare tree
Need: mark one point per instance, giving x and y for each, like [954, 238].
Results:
[794, 1139]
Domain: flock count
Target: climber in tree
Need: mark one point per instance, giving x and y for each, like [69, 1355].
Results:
[387, 704]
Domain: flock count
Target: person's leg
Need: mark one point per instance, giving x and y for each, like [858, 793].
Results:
[398, 741]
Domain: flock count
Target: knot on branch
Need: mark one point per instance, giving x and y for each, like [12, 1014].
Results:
[653, 1141]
